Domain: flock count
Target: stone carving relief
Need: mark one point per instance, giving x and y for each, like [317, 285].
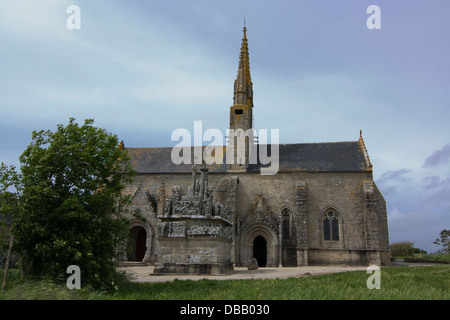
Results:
[212, 230]
[260, 213]
[174, 229]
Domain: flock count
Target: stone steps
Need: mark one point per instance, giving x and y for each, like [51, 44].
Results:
[131, 264]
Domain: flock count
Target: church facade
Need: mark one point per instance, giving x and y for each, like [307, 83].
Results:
[321, 207]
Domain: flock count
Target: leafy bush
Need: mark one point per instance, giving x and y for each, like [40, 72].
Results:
[402, 249]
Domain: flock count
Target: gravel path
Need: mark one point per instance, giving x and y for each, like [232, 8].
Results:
[145, 273]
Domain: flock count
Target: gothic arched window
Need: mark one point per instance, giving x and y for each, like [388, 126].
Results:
[286, 225]
[331, 226]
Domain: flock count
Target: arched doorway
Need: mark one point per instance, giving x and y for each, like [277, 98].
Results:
[137, 244]
[260, 250]
[259, 240]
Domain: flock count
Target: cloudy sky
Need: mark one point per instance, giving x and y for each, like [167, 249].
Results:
[144, 68]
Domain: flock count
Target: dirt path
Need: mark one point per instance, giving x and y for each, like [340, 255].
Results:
[145, 273]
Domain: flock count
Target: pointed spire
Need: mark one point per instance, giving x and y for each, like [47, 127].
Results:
[243, 87]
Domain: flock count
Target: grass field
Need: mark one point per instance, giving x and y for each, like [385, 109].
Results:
[397, 283]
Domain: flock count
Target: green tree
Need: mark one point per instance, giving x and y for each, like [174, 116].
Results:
[10, 193]
[443, 241]
[72, 201]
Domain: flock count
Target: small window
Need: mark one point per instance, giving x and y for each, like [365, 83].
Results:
[331, 226]
[238, 111]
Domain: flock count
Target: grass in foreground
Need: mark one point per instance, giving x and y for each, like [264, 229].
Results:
[397, 283]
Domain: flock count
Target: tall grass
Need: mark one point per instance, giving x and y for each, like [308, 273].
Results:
[397, 283]
[44, 289]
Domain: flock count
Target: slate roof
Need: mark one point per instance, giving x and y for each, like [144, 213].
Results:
[310, 157]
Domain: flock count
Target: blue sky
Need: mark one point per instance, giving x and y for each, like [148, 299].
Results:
[144, 68]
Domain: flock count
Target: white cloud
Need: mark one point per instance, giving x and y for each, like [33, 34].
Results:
[30, 20]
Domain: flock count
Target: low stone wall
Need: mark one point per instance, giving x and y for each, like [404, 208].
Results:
[348, 257]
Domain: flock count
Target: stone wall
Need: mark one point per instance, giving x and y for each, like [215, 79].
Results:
[187, 255]
[342, 192]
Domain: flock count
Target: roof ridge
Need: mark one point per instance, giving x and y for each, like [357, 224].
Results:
[280, 144]
[320, 142]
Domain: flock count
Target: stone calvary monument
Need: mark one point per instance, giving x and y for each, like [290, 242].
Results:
[321, 207]
[194, 235]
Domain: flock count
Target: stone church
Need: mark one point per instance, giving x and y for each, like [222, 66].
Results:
[321, 207]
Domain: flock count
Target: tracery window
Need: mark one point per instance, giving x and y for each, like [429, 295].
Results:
[331, 226]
